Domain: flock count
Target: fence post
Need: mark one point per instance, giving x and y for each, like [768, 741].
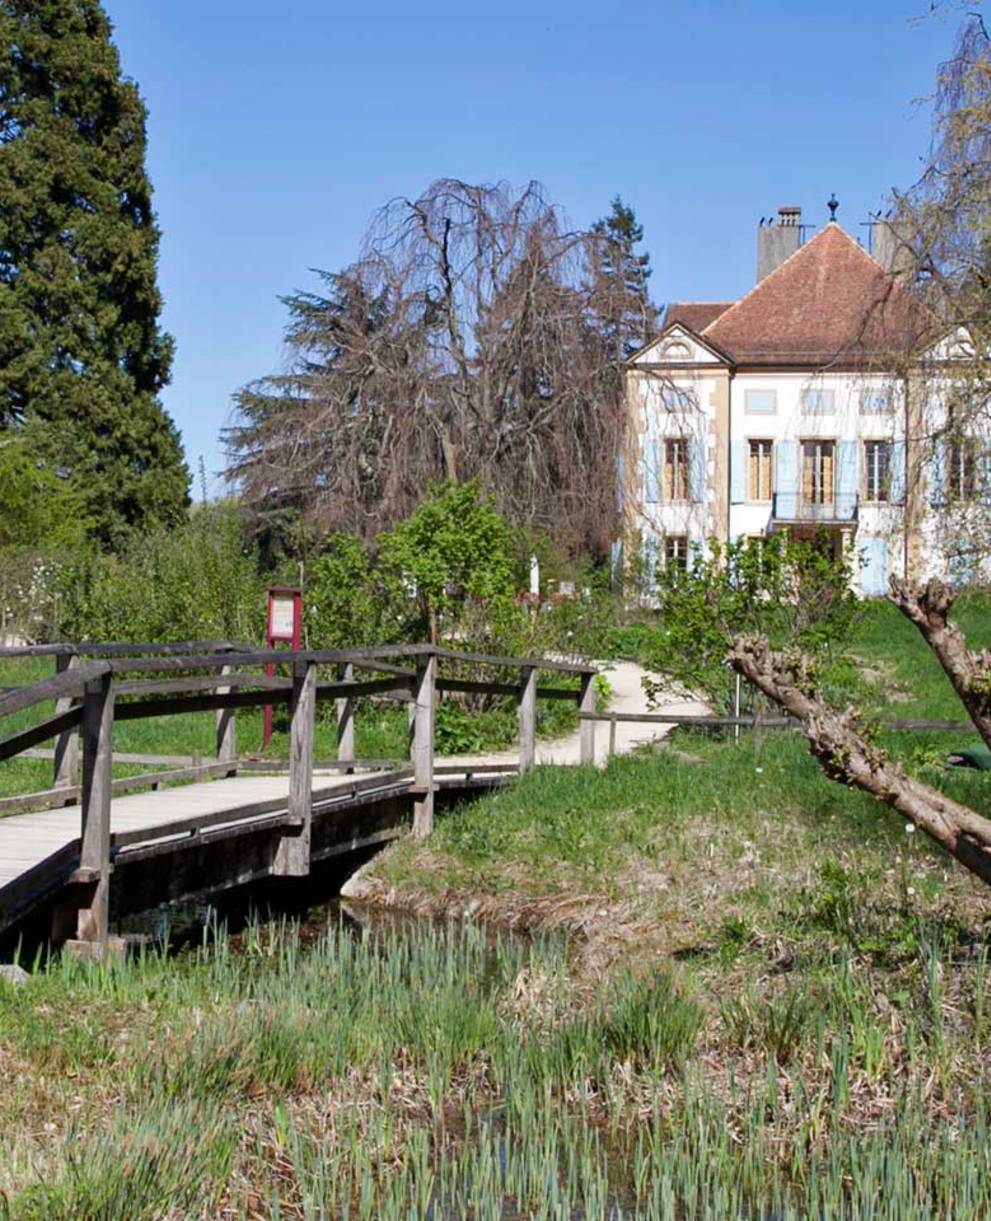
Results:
[345, 719]
[586, 704]
[422, 744]
[93, 914]
[612, 735]
[292, 858]
[526, 712]
[226, 730]
[736, 708]
[66, 771]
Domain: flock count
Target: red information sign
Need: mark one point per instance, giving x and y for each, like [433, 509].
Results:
[285, 626]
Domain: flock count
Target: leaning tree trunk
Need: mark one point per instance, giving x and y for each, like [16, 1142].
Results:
[845, 755]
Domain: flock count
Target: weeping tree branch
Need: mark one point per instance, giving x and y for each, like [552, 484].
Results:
[476, 337]
[845, 755]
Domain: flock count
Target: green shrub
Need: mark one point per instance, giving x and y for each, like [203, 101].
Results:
[200, 581]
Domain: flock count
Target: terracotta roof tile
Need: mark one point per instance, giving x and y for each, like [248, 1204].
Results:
[696, 315]
[828, 301]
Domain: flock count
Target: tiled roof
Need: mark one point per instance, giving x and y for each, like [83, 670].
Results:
[829, 301]
[696, 315]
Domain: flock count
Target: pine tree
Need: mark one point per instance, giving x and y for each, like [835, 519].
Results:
[82, 356]
[630, 319]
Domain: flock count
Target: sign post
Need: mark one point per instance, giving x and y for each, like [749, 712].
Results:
[285, 626]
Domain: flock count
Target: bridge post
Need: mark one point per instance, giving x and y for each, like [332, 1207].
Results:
[586, 732]
[422, 752]
[526, 712]
[292, 858]
[226, 730]
[93, 914]
[66, 772]
[345, 719]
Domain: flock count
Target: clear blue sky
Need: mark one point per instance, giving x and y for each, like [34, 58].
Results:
[277, 127]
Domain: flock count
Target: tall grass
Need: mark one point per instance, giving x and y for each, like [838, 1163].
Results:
[446, 1073]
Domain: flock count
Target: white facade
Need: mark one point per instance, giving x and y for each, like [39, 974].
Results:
[749, 466]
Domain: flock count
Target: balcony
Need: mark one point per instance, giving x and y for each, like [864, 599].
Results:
[789, 508]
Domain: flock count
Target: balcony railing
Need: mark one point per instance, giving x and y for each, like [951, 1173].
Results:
[792, 507]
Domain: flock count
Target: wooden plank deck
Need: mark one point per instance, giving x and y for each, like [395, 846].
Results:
[26, 840]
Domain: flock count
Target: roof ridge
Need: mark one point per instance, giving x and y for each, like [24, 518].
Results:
[784, 263]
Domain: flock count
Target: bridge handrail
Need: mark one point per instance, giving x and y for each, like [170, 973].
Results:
[205, 654]
[67, 683]
[65, 649]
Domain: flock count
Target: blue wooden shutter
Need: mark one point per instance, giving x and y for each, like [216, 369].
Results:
[984, 473]
[846, 479]
[937, 474]
[616, 563]
[738, 472]
[961, 565]
[874, 577]
[696, 469]
[896, 473]
[651, 471]
[786, 480]
[650, 549]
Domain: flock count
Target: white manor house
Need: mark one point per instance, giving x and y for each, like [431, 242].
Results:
[795, 409]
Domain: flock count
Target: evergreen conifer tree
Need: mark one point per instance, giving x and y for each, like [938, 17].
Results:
[631, 316]
[82, 356]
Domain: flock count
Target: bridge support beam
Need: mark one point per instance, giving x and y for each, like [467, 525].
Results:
[345, 719]
[66, 744]
[586, 733]
[93, 876]
[422, 744]
[292, 858]
[226, 730]
[527, 717]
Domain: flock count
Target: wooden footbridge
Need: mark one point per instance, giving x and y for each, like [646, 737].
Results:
[94, 847]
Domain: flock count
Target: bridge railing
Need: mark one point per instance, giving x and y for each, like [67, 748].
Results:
[127, 682]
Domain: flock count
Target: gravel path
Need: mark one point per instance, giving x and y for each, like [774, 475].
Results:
[625, 679]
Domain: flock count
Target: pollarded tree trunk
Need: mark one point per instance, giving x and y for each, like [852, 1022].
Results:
[928, 607]
[847, 756]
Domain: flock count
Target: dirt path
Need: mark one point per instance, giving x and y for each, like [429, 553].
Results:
[625, 679]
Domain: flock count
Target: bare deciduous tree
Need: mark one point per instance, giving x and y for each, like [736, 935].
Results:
[466, 343]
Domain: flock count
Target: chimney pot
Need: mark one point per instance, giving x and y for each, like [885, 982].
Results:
[778, 239]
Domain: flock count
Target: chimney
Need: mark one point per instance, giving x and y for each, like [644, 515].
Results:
[891, 244]
[777, 239]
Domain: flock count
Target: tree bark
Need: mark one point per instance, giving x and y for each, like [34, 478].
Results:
[845, 755]
[928, 607]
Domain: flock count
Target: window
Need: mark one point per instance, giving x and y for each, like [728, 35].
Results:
[676, 469]
[877, 470]
[876, 402]
[676, 552]
[818, 402]
[818, 468]
[961, 470]
[676, 351]
[759, 470]
[760, 402]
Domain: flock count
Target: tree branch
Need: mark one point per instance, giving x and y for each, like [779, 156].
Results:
[846, 756]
